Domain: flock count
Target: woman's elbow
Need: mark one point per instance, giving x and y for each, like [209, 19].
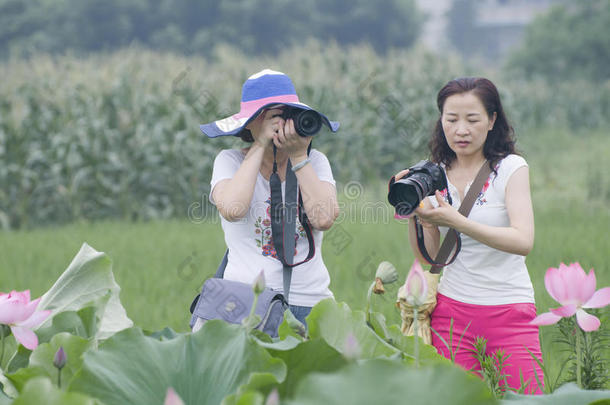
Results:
[232, 212]
[525, 247]
[326, 221]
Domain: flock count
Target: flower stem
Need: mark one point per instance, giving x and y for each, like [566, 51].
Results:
[369, 296]
[59, 378]
[578, 365]
[1, 344]
[416, 336]
[253, 306]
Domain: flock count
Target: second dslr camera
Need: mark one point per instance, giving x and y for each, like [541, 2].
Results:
[422, 180]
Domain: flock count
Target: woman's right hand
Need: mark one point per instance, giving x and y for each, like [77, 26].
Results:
[266, 126]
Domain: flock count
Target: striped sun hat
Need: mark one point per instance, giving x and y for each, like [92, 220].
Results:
[262, 90]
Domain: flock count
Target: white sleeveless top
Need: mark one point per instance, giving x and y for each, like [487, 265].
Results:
[480, 274]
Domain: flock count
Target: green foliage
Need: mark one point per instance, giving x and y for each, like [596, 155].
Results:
[223, 362]
[388, 382]
[116, 136]
[461, 28]
[203, 367]
[491, 366]
[594, 372]
[568, 394]
[42, 391]
[41, 361]
[255, 26]
[89, 278]
[570, 42]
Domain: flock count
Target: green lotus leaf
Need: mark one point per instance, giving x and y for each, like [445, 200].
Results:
[88, 278]
[41, 360]
[202, 367]
[392, 335]
[383, 381]
[163, 334]
[42, 391]
[335, 322]
[7, 389]
[4, 399]
[567, 394]
[83, 322]
[311, 356]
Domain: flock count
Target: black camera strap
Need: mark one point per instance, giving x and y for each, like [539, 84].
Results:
[453, 241]
[283, 220]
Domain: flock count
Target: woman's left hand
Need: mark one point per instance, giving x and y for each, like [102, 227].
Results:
[443, 215]
[288, 140]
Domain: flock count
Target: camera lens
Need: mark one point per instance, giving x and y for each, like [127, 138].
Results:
[307, 123]
[421, 181]
[405, 196]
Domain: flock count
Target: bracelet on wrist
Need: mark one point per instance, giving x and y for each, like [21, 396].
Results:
[300, 165]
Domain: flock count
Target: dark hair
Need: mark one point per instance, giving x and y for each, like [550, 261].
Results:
[500, 140]
[246, 135]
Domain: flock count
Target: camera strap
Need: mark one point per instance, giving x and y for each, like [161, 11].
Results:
[283, 220]
[453, 241]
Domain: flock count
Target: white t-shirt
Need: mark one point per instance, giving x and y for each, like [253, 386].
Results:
[480, 274]
[251, 246]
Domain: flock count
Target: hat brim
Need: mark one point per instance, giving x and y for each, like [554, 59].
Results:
[233, 125]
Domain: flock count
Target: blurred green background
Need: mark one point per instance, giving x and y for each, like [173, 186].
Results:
[100, 103]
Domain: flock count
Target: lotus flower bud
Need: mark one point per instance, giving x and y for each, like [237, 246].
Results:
[259, 283]
[386, 272]
[416, 285]
[60, 358]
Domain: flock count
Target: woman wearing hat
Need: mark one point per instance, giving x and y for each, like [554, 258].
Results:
[241, 185]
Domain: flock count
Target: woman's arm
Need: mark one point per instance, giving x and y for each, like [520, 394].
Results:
[517, 238]
[233, 196]
[319, 197]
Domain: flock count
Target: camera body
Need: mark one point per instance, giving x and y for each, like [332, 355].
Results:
[422, 181]
[306, 122]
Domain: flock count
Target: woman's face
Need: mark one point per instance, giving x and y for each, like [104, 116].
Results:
[465, 124]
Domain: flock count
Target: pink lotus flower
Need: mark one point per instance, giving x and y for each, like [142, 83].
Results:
[19, 313]
[574, 290]
[416, 286]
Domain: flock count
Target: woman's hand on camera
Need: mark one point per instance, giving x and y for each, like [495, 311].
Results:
[288, 140]
[401, 174]
[265, 127]
[443, 215]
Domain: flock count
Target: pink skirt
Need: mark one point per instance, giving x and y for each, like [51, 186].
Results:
[505, 327]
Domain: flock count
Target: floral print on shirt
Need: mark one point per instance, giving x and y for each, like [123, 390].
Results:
[262, 229]
[481, 200]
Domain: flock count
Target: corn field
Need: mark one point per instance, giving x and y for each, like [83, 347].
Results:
[116, 135]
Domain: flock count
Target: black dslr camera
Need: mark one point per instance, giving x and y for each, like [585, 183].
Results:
[422, 180]
[306, 122]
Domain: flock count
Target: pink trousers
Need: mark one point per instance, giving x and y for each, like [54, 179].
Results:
[504, 326]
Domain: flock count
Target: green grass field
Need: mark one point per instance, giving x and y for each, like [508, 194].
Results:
[160, 265]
